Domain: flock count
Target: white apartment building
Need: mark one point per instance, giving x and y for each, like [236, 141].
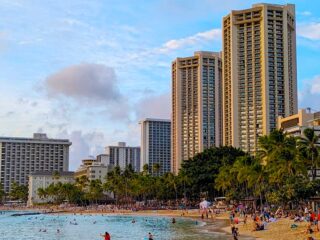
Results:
[123, 155]
[20, 157]
[196, 105]
[156, 145]
[93, 169]
[43, 180]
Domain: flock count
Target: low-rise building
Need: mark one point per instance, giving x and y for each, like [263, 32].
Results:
[297, 123]
[43, 180]
[93, 169]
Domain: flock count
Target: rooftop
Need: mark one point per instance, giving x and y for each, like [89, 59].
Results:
[154, 120]
[51, 173]
[37, 138]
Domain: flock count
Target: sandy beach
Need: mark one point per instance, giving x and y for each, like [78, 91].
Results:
[279, 230]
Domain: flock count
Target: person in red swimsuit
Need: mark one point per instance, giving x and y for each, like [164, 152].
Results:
[106, 236]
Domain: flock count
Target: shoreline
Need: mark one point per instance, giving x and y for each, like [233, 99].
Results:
[216, 225]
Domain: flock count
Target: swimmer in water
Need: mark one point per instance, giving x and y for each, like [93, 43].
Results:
[133, 221]
[150, 237]
[173, 220]
[106, 236]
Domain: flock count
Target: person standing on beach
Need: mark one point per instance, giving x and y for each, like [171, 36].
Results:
[204, 208]
[234, 232]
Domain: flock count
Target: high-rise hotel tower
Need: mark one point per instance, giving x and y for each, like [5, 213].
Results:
[259, 72]
[156, 145]
[196, 94]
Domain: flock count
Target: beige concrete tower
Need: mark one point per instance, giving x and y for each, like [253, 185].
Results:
[259, 72]
[196, 98]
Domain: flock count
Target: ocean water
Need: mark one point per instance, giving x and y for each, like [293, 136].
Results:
[89, 227]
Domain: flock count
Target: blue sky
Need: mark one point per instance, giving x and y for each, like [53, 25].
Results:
[88, 70]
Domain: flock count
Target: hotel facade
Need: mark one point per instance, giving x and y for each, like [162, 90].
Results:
[259, 72]
[156, 145]
[123, 155]
[21, 157]
[295, 125]
[196, 99]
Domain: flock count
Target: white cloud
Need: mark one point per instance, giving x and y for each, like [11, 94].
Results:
[305, 13]
[309, 96]
[154, 106]
[84, 144]
[196, 39]
[315, 85]
[310, 31]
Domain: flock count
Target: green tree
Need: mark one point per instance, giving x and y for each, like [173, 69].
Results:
[145, 169]
[18, 192]
[82, 182]
[204, 168]
[42, 193]
[156, 168]
[310, 149]
[95, 192]
[114, 183]
[2, 192]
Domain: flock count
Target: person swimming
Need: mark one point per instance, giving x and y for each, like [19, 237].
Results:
[106, 236]
[150, 237]
[173, 220]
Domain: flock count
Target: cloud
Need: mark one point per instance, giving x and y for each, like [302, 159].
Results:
[95, 85]
[83, 145]
[310, 31]
[154, 106]
[309, 96]
[196, 39]
[85, 82]
[9, 114]
[305, 13]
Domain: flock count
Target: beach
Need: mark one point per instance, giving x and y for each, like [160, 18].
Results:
[280, 230]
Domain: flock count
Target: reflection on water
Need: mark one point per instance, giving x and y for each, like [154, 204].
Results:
[86, 227]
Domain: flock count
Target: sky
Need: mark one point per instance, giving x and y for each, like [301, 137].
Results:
[89, 70]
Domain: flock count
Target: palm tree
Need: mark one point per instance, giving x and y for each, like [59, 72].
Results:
[156, 168]
[309, 147]
[18, 192]
[95, 190]
[56, 176]
[145, 169]
[114, 183]
[2, 192]
[172, 182]
[271, 145]
[82, 182]
[185, 180]
[42, 193]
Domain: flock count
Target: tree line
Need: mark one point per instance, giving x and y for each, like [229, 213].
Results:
[282, 171]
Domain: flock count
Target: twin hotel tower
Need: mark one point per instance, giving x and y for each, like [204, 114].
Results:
[228, 98]
[233, 97]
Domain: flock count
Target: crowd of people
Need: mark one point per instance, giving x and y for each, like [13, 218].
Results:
[262, 217]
